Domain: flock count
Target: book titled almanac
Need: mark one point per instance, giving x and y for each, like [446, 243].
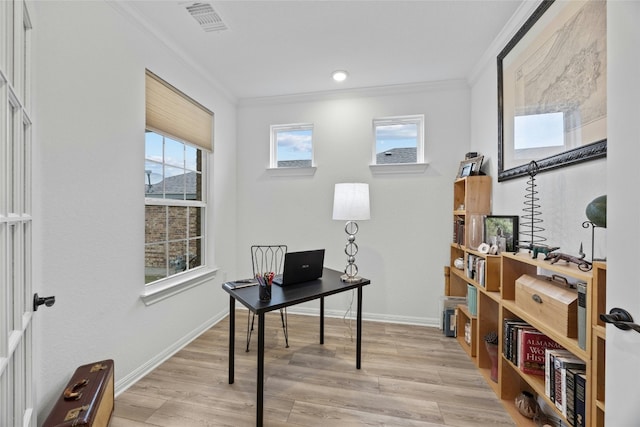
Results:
[531, 356]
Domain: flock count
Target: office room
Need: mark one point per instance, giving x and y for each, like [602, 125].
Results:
[83, 211]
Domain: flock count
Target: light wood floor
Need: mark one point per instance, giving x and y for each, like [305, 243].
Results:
[410, 376]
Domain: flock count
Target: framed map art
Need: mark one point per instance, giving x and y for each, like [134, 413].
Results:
[552, 93]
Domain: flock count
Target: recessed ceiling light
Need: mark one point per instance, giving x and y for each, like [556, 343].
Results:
[339, 75]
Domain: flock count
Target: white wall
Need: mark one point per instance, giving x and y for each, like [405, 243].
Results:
[89, 199]
[403, 246]
[563, 194]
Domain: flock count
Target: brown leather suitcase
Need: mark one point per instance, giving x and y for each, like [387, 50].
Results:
[88, 398]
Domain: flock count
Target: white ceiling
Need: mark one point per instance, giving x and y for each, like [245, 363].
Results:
[291, 47]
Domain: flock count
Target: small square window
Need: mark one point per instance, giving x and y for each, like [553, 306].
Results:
[291, 146]
[398, 140]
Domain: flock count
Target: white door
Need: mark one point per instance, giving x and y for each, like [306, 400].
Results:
[17, 402]
[623, 211]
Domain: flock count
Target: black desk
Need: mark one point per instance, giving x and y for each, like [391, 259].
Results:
[329, 284]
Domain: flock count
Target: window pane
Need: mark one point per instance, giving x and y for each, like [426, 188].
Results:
[195, 222]
[155, 257]
[177, 257]
[153, 146]
[173, 153]
[177, 222]
[396, 143]
[193, 182]
[174, 183]
[191, 158]
[294, 148]
[155, 223]
[153, 179]
[195, 253]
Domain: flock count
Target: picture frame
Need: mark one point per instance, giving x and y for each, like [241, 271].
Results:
[470, 167]
[502, 231]
[550, 109]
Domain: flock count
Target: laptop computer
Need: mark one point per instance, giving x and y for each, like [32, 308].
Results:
[301, 267]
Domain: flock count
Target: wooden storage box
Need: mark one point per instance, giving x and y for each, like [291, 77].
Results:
[551, 301]
[87, 400]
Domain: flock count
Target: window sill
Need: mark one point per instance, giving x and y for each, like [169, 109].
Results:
[306, 171]
[167, 288]
[398, 168]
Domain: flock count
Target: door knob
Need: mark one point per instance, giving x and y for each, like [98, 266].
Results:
[38, 301]
[621, 319]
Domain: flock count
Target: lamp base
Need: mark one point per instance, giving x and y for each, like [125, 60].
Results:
[350, 279]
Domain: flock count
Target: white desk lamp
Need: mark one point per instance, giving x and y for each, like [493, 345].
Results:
[351, 204]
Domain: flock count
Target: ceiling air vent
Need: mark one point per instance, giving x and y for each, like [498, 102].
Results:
[207, 18]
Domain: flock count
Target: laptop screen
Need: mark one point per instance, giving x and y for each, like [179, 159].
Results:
[301, 267]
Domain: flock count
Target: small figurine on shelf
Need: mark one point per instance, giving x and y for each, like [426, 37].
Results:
[583, 264]
[537, 248]
[526, 404]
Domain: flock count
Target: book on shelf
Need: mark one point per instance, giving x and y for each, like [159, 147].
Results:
[531, 355]
[507, 328]
[449, 322]
[458, 231]
[560, 366]
[582, 314]
[471, 266]
[580, 404]
[472, 299]
[549, 376]
[480, 272]
[571, 394]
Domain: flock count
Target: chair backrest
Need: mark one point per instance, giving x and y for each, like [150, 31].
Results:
[267, 258]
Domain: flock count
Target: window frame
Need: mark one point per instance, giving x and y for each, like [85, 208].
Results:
[273, 145]
[170, 285]
[417, 119]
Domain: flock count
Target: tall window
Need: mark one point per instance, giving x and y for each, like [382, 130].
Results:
[174, 207]
[292, 146]
[174, 181]
[398, 140]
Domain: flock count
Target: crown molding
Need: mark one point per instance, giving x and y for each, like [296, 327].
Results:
[455, 84]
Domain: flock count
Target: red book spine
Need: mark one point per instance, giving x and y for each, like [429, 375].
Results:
[532, 348]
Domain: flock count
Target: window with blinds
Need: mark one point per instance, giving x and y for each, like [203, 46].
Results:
[178, 142]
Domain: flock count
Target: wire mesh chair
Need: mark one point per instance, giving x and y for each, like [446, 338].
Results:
[264, 259]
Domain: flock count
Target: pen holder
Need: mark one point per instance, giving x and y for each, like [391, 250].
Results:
[264, 292]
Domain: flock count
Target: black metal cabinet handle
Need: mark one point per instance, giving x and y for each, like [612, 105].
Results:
[621, 319]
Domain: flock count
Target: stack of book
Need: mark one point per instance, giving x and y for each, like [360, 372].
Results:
[525, 346]
[565, 384]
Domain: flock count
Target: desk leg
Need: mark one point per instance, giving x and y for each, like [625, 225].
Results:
[232, 336]
[322, 320]
[260, 379]
[359, 329]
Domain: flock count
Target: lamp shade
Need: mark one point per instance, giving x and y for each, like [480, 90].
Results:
[351, 202]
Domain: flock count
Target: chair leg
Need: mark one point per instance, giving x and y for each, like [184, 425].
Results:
[285, 326]
[250, 320]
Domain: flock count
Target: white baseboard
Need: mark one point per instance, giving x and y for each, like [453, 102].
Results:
[123, 384]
